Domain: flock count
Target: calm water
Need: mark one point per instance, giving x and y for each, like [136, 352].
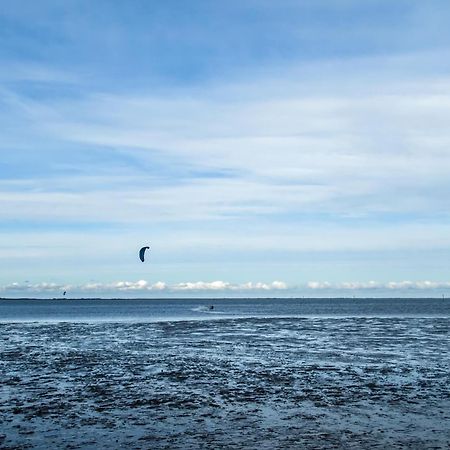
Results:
[198, 309]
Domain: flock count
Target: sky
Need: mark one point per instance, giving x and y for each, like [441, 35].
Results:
[260, 148]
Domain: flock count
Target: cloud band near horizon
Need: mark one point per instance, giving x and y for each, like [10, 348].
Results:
[222, 288]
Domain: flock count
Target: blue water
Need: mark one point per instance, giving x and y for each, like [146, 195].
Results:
[151, 310]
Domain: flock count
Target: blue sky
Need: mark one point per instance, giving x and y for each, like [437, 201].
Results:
[260, 148]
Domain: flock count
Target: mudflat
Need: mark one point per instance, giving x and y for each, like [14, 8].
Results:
[247, 383]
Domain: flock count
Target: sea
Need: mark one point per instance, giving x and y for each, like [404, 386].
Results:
[269, 373]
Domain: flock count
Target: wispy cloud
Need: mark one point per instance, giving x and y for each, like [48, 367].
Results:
[224, 146]
[317, 151]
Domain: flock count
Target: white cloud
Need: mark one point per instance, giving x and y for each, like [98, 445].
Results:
[222, 288]
[374, 285]
[418, 285]
[33, 287]
[143, 286]
[159, 286]
[275, 285]
[279, 285]
[132, 286]
[201, 286]
[318, 285]
[226, 286]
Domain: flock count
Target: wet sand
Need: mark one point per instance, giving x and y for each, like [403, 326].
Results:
[232, 384]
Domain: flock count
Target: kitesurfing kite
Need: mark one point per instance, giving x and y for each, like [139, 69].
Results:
[142, 253]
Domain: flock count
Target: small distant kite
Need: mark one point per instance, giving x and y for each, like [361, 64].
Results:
[64, 293]
[142, 253]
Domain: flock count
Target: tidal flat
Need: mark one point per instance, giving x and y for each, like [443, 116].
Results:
[244, 383]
